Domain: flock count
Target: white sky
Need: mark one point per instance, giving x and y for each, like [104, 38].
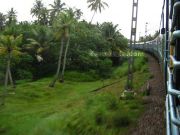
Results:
[119, 12]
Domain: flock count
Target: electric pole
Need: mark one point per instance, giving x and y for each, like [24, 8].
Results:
[146, 30]
[129, 84]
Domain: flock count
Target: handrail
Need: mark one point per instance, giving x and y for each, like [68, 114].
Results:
[176, 63]
[168, 130]
[176, 11]
[173, 117]
[176, 34]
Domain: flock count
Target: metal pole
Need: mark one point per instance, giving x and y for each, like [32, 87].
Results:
[132, 42]
[167, 43]
[146, 29]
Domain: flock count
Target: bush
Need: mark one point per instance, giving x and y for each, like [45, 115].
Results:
[105, 68]
[121, 120]
[112, 102]
[100, 117]
[121, 71]
[144, 68]
[24, 74]
[139, 63]
[129, 96]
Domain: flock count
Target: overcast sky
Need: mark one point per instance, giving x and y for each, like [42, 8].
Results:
[119, 12]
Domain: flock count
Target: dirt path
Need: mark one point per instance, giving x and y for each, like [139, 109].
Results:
[153, 122]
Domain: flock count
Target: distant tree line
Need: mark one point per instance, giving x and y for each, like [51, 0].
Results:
[149, 37]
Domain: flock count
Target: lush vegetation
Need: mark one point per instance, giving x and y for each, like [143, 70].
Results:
[56, 41]
[73, 108]
[82, 57]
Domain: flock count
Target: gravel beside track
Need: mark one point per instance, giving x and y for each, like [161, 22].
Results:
[152, 121]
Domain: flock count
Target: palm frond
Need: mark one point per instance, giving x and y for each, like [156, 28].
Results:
[33, 42]
[18, 40]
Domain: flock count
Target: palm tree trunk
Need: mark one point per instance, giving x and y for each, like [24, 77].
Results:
[92, 17]
[64, 61]
[6, 80]
[9, 70]
[6, 76]
[59, 64]
[10, 78]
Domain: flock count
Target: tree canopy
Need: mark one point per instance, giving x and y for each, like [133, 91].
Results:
[86, 46]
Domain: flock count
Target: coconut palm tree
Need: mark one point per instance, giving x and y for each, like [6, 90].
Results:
[63, 24]
[40, 42]
[96, 5]
[9, 47]
[2, 21]
[44, 14]
[56, 8]
[78, 13]
[36, 10]
[11, 17]
[116, 41]
[109, 31]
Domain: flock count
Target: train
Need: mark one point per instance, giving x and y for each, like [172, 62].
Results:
[166, 48]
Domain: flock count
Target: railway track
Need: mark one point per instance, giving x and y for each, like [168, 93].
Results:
[152, 121]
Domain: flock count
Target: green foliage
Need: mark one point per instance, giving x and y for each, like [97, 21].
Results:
[121, 70]
[96, 5]
[1, 77]
[105, 68]
[112, 102]
[71, 108]
[139, 62]
[24, 74]
[100, 116]
[139, 65]
[81, 77]
[87, 43]
[120, 120]
[149, 37]
[2, 70]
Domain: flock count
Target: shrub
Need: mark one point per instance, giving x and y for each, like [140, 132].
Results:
[121, 120]
[139, 62]
[121, 71]
[129, 96]
[100, 117]
[144, 68]
[112, 102]
[105, 68]
[24, 74]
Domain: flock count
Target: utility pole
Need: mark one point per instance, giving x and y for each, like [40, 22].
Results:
[146, 30]
[145, 38]
[129, 84]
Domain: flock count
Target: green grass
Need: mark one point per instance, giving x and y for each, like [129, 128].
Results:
[81, 77]
[71, 108]
[139, 65]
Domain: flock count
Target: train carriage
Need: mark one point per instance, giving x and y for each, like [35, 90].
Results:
[166, 47]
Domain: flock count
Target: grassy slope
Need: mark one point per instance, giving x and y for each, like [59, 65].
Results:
[72, 108]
